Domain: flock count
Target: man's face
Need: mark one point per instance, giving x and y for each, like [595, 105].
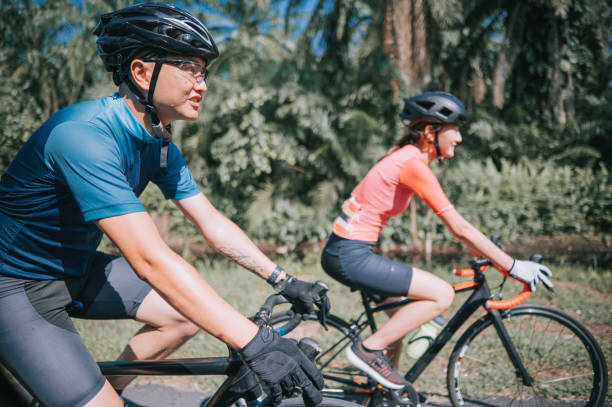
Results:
[179, 88]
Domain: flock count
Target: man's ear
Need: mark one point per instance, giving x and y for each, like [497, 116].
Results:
[141, 74]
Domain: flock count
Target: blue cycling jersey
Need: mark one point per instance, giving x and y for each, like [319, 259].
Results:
[88, 161]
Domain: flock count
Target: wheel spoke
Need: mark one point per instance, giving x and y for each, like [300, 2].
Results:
[563, 362]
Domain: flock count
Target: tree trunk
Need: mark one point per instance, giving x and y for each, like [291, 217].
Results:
[428, 238]
[478, 84]
[389, 44]
[414, 231]
[561, 85]
[405, 38]
[507, 55]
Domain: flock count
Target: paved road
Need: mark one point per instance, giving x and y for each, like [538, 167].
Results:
[156, 395]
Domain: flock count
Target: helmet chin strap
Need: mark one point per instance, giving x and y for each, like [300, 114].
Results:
[159, 130]
[439, 155]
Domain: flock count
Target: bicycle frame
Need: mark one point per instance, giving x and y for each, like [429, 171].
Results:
[239, 377]
[173, 367]
[480, 296]
[227, 366]
[225, 395]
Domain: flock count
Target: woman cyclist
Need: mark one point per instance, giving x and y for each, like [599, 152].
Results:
[79, 176]
[433, 120]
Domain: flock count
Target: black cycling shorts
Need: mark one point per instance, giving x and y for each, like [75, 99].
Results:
[38, 341]
[352, 263]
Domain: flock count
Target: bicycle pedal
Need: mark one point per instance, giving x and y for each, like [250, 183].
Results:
[406, 397]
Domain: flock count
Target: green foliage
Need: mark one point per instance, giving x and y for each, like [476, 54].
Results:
[47, 61]
[270, 150]
[537, 73]
[300, 105]
[598, 205]
[520, 200]
[280, 149]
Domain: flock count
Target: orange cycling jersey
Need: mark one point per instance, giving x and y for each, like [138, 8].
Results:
[385, 191]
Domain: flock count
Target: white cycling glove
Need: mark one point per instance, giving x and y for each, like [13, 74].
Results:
[531, 272]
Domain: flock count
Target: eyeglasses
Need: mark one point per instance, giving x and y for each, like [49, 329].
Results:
[197, 71]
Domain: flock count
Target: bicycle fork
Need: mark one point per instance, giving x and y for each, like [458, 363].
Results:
[502, 332]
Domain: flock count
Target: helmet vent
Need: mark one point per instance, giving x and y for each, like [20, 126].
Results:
[446, 111]
[425, 104]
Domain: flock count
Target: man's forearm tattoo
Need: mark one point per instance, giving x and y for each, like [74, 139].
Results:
[242, 260]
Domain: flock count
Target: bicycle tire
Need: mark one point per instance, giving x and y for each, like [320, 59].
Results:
[327, 402]
[561, 355]
[333, 342]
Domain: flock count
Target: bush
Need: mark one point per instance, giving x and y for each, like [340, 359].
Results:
[516, 201]
[519, 200]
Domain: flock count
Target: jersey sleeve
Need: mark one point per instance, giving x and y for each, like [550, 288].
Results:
[177, 183]
[89, 164]
[418, 177]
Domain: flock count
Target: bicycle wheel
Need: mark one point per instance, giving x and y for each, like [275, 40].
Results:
[562, 357]
[333, 342]
[327, 402]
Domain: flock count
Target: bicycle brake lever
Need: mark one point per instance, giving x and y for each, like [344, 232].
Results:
[322, 316]
[551, 288]
[321, 301]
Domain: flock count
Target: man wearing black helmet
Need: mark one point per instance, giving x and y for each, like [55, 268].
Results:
[79, 176]
[433, 120]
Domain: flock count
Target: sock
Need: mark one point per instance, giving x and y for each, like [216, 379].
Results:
[370, 350]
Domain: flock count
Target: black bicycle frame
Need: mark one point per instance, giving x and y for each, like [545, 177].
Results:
[185, 367]
[480, 295]
[478, 298]
[174, 367]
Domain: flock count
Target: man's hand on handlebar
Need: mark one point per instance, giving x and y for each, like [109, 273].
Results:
[531, 272]
[304, 296]
[282, 366]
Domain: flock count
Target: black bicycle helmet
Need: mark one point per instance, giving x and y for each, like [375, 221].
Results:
[433, 107]
[161, 28]
[158, 26]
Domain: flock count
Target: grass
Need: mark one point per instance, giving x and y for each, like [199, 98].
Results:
[582, 290]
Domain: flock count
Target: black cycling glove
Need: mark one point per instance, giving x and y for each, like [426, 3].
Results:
[304, 295]
[282, 367]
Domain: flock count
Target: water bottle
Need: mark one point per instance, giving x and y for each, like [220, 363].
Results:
[420, 340]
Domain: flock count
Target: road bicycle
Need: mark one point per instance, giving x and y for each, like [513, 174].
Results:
[240, 389]
[518, 354]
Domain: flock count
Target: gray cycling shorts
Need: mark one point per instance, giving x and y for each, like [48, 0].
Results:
[39, 343]
[352, 263]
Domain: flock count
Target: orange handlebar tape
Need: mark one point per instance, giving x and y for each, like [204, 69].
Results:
[464, 285]
[463, 272]
[510, 302]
